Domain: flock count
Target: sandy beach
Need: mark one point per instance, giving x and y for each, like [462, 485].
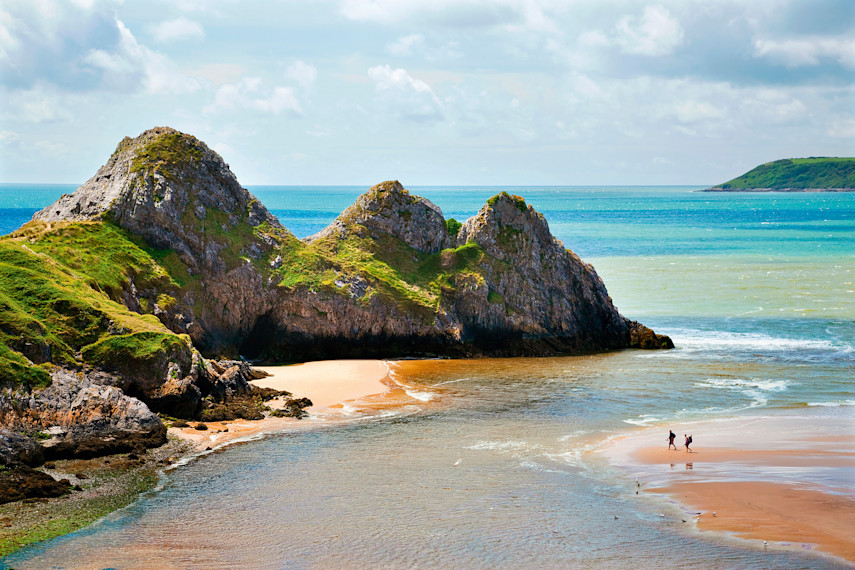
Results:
[329, 382]
[338, 389]
[786, 480]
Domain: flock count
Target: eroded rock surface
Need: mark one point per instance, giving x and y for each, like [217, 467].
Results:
[78, 418]
[388, 208]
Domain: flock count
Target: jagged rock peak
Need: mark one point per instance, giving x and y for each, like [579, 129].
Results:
[388, 208]
[151, 185]
[508, 228]
[174, 191]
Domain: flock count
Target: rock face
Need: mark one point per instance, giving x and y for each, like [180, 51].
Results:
[82, 419]
[388, 208]
[179, 195]
[386, 278]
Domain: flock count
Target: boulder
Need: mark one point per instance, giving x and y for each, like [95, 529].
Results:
[81, 419]
[24, 482]
[19, 449]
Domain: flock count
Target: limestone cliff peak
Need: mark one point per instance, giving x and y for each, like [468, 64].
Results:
[509, 229]
[388, 208]
[169, 188]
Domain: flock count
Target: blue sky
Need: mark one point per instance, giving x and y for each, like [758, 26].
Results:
[458, 92]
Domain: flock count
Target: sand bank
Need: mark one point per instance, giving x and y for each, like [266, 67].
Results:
[786, 479]
[328, 382]
[339, 390]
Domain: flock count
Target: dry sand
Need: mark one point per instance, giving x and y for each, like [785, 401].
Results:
[337, 389]
[328, 382]
[783, 479]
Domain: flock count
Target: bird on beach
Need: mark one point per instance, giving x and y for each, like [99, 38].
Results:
[458, 462]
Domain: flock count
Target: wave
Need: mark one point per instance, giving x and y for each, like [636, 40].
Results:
[502, 446]
[832, 404]
[745, 385]
[415, 393]
[419, 395]
[691, 343]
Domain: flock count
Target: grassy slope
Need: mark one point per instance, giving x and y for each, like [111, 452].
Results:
[798, 173]
[413, 281]
[59, 288]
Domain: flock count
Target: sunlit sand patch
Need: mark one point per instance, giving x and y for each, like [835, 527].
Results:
[783, 479]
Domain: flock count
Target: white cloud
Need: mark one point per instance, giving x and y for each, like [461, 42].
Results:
[179, 29]
[250, 93]
[511, 15]
[7, 137]
[584, 85]
[842, 128]
[303, 73]
[219, 73]
[41, 104]
[807, 51]
[698, 111]
[417, 45]
[130, 63]
[409, 97]
[656, 33]
[9, 41]
[406, 45]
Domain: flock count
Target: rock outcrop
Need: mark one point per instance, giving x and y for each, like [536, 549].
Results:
[114, 294]
[386, 278]
[388, 208]
[180, 196]
[78, 418]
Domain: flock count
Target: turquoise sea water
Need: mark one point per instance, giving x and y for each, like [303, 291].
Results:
[757, 291]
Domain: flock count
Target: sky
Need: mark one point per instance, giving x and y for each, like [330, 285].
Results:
[431, 92]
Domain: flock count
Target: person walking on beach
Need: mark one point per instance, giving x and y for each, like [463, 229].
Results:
[671, 436]
[688, 442]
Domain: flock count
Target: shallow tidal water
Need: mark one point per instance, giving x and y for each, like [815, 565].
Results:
[494, 464]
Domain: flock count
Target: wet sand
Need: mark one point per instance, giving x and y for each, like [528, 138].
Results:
[785, 479]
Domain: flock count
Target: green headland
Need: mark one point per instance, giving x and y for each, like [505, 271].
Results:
[815, 174]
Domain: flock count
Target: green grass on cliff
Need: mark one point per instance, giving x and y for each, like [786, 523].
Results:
[401, 275]
[166, 154]
[130, 353]
[797, 173]
[108, 255]
[55, 300]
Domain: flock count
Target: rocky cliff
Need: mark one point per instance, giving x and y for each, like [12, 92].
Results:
[123, 294]
[386, 278]
[179, 196]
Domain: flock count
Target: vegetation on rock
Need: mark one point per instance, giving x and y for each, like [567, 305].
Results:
[796, 174]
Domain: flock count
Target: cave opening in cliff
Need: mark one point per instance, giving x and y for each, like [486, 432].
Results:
[255, 345]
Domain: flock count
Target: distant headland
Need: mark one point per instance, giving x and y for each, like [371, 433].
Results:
[815, 174]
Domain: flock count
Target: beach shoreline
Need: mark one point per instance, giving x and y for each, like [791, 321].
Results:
[334, 387]
[749, 477]
[329, 384]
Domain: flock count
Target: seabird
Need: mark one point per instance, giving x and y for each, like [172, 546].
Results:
[456, 463]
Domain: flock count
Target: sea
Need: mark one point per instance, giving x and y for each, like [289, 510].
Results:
[495, 463]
